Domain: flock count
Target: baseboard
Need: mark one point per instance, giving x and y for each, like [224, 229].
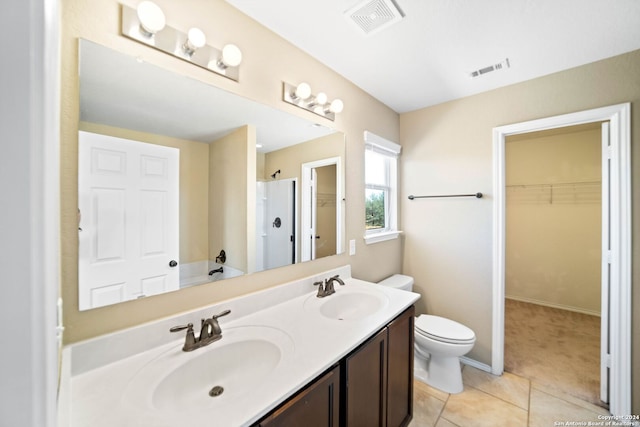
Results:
[475, 364]
[552, 305]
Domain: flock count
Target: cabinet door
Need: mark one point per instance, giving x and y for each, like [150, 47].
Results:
[400, 370]
[366, 383]
[316, 406]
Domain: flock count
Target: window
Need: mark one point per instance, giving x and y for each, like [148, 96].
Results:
[381, 188]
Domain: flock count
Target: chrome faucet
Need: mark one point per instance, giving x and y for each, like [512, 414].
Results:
[209, 332]
[327, 289]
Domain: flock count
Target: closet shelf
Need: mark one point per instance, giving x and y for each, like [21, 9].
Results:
[581, 192]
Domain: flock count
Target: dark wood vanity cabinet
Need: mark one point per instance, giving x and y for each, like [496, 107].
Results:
[378, 377]
[317, 405]
[400, 369]
[370, 387]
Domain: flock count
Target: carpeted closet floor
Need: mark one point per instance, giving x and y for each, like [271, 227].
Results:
[557, 348]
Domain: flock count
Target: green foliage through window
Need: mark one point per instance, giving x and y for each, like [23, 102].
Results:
[374, 209]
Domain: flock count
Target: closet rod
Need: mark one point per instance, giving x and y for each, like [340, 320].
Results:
[477, 195]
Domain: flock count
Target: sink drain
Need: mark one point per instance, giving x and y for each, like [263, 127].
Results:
[216, 391]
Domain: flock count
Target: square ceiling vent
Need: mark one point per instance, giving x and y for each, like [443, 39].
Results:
[371, 16]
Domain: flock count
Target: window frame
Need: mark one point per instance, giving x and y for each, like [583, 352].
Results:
[391, 152]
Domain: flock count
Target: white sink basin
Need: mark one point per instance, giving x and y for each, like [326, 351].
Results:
[210, 376]
[348, 304]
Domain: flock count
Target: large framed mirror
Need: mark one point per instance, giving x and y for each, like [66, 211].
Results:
[181, 183]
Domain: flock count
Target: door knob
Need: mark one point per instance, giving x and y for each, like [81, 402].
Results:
[173, 263]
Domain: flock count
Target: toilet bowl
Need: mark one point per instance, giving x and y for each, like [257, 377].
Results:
[439, 343]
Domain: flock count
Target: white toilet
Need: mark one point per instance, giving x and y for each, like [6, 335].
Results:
[439, 343]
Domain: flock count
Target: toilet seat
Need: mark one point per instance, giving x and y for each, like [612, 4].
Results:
[442, 329]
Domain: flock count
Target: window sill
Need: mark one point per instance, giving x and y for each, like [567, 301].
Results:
[381, 237]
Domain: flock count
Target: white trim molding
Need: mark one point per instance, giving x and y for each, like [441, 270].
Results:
[620, 232]
[381, 237]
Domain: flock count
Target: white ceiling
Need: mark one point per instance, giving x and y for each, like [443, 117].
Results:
[425, 58]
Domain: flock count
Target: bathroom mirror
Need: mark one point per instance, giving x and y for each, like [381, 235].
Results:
[181, 183]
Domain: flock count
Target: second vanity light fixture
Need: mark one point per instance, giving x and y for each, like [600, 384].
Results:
[147, 24]
[301, 96]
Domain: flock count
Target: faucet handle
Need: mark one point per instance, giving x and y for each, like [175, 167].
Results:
[211, 326]
[224, 313]
[188, 326]
[189, 339]
[320, 293]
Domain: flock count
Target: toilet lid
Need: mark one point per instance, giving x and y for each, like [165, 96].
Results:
[442, 329]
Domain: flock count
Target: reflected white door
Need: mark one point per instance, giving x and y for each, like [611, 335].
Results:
[279, 248]
[128, 240]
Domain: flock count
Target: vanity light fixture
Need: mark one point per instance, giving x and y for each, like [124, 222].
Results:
[301, 96]
[147, 24]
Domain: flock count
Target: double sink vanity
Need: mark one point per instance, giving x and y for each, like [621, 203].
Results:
[285, 357]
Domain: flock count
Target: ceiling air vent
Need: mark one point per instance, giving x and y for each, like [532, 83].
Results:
[482, 71]
[372, 16]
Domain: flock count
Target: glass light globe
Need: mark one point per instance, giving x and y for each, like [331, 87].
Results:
[336, 106]
[151, 17]
[231, 55]
[321, 98]
[196, 38]
[303, 91]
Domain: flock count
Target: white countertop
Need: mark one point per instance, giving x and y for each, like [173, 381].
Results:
[98, 394]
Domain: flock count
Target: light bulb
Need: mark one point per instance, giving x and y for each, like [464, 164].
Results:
[195, 39]
[336, 106]
[321, 98]
[318, 101]
[151, 18]
[231, 56]
[303, 91]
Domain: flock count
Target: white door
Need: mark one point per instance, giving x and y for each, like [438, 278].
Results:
[280, 237]
[605, 360]
[128, 238]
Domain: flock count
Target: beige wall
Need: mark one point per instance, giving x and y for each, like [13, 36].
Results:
[448, 148]
[289, 161]
[553, 234]
[228, 193]
[268, 60]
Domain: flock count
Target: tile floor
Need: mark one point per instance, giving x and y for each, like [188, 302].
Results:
[494, 401]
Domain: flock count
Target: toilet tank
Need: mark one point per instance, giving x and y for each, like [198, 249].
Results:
[398, 281]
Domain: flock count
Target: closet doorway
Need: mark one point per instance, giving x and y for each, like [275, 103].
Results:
[553, 259]
[616, 251]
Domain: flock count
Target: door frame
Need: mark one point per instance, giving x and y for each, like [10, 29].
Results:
[619, 117]
[305, 201]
